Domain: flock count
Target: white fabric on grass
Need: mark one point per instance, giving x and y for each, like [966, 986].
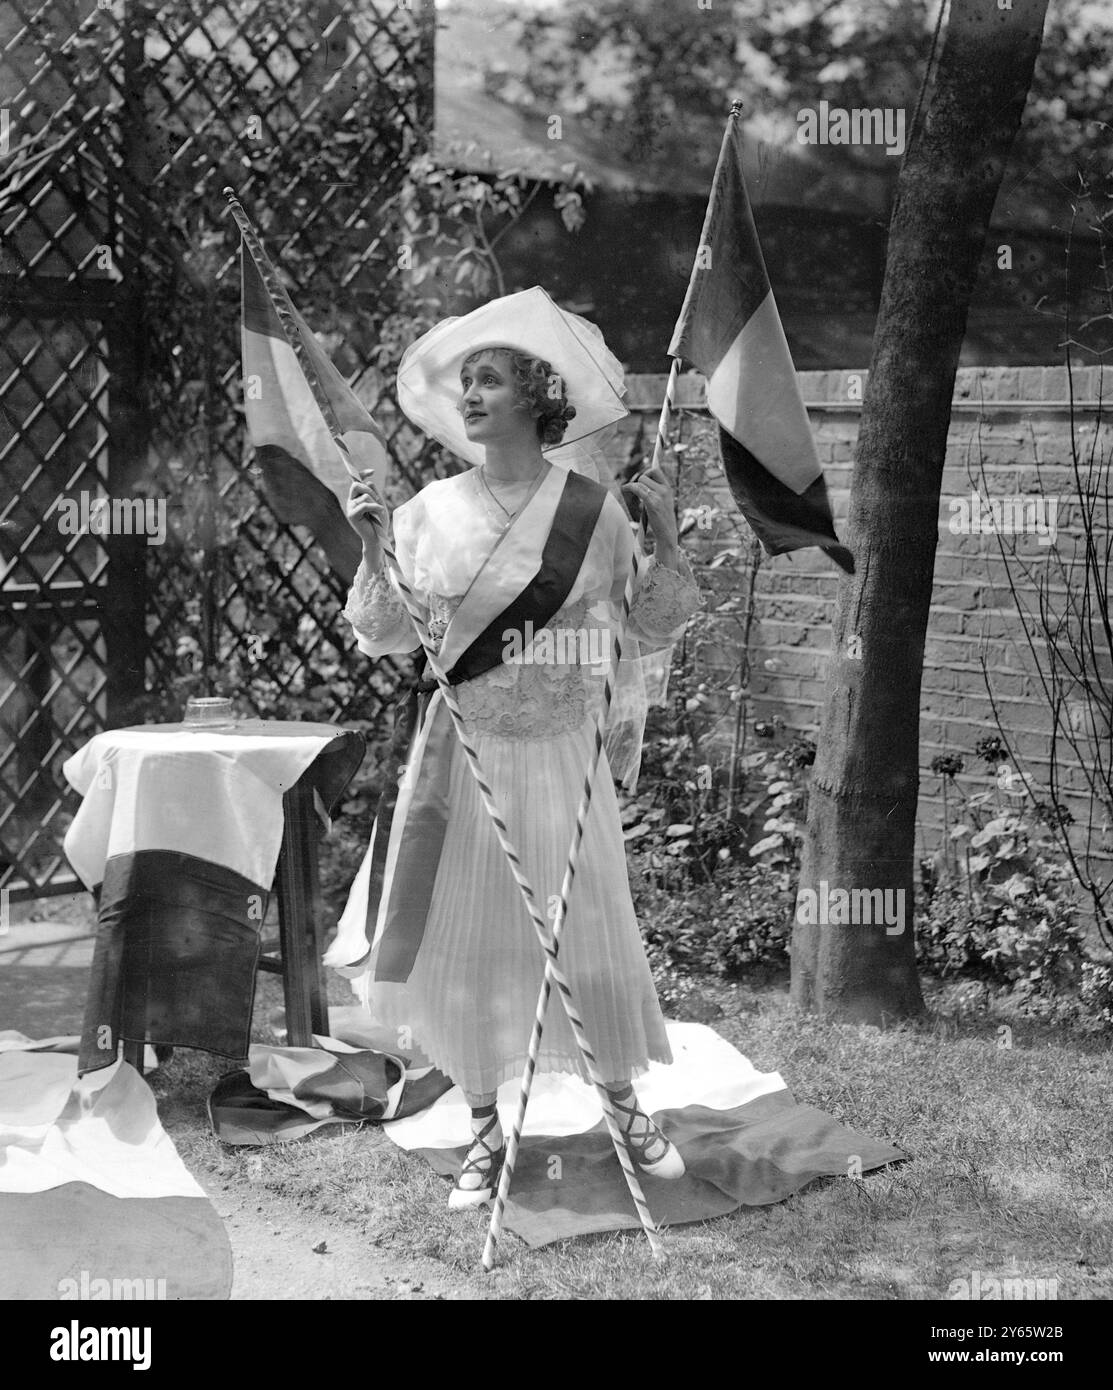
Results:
[101, 1129]
[217, 797]
[706, 1071]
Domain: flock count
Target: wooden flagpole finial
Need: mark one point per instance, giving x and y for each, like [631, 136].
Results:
[736, 106]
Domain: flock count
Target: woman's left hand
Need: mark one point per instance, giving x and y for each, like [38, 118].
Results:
[652, 490]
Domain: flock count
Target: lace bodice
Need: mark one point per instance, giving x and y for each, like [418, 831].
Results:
[551, 695]
[548, 687]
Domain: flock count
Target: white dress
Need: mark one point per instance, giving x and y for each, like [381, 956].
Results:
[470, 999]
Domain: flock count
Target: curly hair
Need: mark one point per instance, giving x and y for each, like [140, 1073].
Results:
[539, 388]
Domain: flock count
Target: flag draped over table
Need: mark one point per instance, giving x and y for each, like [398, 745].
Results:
[729, 329]
[305, 478]
[178, 836]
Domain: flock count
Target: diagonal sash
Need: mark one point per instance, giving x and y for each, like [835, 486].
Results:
[558, 523]
[413, 818]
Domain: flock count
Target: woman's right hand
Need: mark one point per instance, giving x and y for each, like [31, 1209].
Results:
[364, 505]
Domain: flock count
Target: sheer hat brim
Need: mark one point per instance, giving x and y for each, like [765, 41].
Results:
[429, 374]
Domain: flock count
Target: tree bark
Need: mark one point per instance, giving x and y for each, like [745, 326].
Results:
[865, 782]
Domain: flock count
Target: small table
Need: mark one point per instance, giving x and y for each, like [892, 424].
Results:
[183, 832]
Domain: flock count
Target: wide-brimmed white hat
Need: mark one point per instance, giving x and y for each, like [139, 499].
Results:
[429, 374]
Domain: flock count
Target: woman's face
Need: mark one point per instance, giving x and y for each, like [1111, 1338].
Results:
[489, 401]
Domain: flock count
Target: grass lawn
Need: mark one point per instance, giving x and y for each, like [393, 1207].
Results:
[1009, 1175]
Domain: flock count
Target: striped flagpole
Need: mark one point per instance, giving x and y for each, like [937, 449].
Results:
[284, 308]
[494, 1230]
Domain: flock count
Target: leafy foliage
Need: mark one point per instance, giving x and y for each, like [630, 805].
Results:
[647, 77]
[742, 920]
[1021, 934]
[1002, 906]
[715, 892]
[1097, 993]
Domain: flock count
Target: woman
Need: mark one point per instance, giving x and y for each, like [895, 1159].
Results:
[522, 565]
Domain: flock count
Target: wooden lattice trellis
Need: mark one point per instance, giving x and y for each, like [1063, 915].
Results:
[119, 357]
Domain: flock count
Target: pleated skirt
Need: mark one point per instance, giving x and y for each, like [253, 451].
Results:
[470, 1002]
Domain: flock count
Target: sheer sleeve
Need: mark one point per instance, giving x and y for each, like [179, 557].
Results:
[374, 608]
[663, 600]
[378, 615]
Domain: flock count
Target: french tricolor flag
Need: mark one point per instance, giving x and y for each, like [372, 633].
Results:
[305, 478]
[729, 330]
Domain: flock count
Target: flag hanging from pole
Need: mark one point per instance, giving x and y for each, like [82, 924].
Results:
[305, 478]
[729, 330]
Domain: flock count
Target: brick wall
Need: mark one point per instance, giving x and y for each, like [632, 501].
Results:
[1005, 419]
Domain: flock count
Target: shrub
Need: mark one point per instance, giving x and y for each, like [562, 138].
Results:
[713, 877]
[1016, 934]
[1097, 993]
[741, 919]
[1005, 912]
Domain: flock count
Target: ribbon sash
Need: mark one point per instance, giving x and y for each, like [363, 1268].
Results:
[412, 821]
[558, 522]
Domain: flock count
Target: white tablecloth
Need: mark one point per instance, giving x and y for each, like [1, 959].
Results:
[215, 794]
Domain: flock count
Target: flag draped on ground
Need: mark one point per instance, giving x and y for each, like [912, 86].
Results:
[745, 1139]
[305, 478]
[746, 1142]
[95, 1202]
[287, 1093]
[729, 329]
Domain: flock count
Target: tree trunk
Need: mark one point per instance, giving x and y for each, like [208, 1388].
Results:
[865, 782]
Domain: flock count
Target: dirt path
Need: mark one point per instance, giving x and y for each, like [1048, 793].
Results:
[274, 1261]
[44, 967]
